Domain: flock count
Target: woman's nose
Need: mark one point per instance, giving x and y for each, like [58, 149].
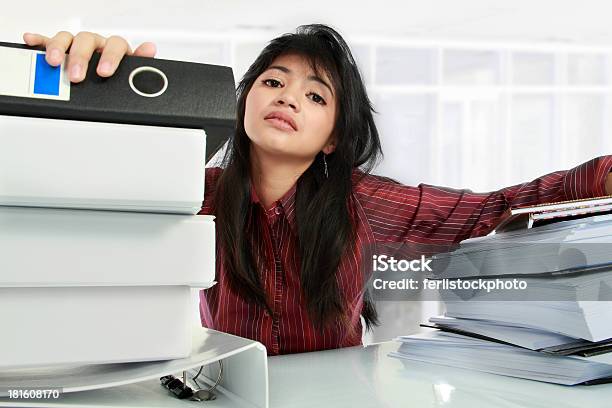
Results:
[287, 98]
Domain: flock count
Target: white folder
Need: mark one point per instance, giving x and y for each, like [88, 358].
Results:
[97, 165]
[86, 287]
[93, 325]
[59, 247]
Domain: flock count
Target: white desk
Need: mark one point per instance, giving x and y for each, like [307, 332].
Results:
[358, 377]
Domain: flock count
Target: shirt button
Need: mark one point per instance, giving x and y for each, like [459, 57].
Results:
[266, 313]
[278, 211]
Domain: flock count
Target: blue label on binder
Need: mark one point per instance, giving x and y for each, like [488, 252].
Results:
[46, 78]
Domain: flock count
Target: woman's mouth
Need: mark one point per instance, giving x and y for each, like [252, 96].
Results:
[280, 124]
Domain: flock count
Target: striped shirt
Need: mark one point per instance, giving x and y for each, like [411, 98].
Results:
[386, 212]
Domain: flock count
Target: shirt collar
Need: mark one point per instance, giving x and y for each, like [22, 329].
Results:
[286, 203]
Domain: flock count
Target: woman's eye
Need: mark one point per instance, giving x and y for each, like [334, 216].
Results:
[317, 98]
[272, 82]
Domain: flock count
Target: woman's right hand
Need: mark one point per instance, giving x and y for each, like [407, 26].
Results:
[82, 46]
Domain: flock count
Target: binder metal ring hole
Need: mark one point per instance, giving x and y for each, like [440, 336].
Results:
[148, 81]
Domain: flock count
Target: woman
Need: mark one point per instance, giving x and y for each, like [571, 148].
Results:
[294, 200]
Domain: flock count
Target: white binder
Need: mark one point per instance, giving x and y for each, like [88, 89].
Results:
[59, 247]
[83, 287]
[244, 380]
[96, 165]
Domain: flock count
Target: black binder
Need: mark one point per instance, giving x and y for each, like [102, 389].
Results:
[197, 96]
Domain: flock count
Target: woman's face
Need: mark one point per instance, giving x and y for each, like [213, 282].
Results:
[290, 111]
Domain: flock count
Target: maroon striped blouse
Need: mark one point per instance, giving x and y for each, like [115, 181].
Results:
[386, 212]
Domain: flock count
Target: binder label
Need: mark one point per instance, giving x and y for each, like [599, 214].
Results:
[46, 77]
[27, 74]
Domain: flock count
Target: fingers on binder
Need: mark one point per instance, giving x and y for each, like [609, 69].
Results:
[143, 91]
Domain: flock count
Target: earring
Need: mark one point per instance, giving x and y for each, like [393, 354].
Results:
[325, 164]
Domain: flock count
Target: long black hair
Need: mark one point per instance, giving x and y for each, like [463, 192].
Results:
[324, 220]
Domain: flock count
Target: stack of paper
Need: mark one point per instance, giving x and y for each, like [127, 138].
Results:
[526, 337]
[467, 352]
[554, 328]
[584, 320]
[566, 269]
[563, 247]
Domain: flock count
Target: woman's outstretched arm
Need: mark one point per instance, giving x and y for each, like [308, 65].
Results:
[439, 215]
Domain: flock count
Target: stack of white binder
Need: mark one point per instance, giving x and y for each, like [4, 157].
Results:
[555, 329]
[99, 242]
[100, 246]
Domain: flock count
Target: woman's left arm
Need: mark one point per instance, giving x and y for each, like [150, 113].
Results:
[433, 214]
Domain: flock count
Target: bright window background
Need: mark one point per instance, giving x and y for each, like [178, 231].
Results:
[472, 94]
